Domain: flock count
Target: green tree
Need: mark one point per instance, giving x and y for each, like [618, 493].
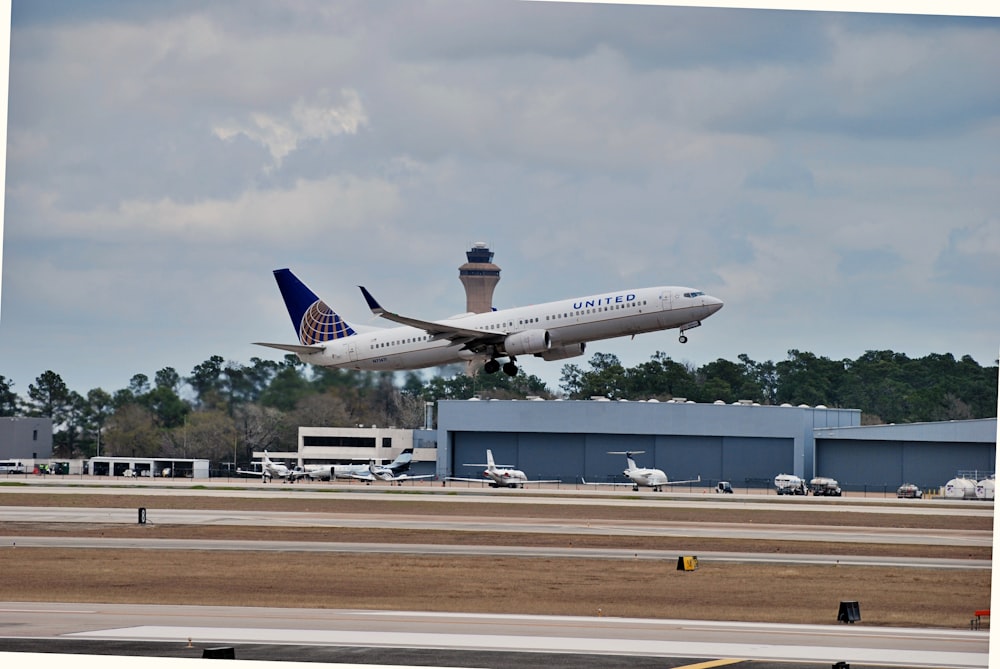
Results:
[49, 396]
[605, 378]
[764, 376]
[98, 407]
[166, 408]
[807, 379]
[138, 385]
[205, 381]
[728, 381]
[9, 400]
[660, 378]
[168, 378]
[286, 388]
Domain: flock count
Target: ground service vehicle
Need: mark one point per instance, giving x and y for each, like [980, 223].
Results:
[789, 484]
[822, 485]
[910, 491]
[724, 487]
[12, 467]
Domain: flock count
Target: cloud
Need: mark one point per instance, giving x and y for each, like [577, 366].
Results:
[320, 120]
[972, 256]
[285, 217]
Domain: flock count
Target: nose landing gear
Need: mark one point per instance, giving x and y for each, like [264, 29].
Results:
[684, 328]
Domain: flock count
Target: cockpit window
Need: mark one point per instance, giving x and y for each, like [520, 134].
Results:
[696, 293]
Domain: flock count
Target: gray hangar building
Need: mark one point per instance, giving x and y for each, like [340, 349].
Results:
[744, 443]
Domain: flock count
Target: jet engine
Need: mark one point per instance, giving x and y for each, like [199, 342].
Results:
[529, 342]
[563, 352]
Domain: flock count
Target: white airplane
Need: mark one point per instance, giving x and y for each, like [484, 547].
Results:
[330, 472]
[269, 470]
[551, 331]
[644, 476]
[389, 472]
[502, 476]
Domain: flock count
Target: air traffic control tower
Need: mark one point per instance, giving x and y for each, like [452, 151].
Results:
[479, 276]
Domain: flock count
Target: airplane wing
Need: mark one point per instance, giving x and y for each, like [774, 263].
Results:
[697, 480]
[586, 482]
[471, 338]
[482, 480]
[292, 348]
[369, 477]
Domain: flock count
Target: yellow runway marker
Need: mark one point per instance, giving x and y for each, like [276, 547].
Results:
[709, 664]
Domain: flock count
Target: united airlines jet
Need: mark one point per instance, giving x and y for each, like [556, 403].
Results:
[551, 331]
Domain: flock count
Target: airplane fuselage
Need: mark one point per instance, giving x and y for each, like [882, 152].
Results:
[551, 331]
[506, 478]
[652, 478]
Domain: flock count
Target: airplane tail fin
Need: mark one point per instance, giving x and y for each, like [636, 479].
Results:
[313, 320]
[490, 464]
[402, 461]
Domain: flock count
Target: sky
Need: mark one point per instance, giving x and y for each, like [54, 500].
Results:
[833, 177]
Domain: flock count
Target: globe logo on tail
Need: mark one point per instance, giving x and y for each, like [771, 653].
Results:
[320, 324]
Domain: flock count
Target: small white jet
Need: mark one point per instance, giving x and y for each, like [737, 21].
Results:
[644, 476]
[387, 473]
[364, 472]
[501, 476]
[551, 331]
[269, 470]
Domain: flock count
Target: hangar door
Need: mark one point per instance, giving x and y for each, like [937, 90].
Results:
[883, 465]
[538, 455]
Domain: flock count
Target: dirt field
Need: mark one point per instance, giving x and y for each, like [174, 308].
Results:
[634, 588]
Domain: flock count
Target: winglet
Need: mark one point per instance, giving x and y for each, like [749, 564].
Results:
[372, 302]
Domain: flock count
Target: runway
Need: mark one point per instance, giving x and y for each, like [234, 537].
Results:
[566, 494]
[486, 636]
[480, 640]
[484, 551]
[774, 532]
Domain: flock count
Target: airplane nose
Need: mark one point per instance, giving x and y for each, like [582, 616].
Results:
[713, 304]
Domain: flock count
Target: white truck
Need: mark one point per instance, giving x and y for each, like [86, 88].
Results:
[789, 484]
[823, 485]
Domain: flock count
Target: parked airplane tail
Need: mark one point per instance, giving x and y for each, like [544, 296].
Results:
[312, 319]
[628, 458]
[402, 461]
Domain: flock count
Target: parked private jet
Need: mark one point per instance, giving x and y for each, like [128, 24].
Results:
[551, 331]
[269, 470]
[502, 476]
[644, 476]
[378, 473]
[329, 472]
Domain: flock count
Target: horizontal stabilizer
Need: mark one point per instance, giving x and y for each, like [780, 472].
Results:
[292, 348]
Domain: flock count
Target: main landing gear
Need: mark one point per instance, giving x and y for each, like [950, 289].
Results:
[493, 366]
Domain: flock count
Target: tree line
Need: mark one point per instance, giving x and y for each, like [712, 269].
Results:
[223, 411]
